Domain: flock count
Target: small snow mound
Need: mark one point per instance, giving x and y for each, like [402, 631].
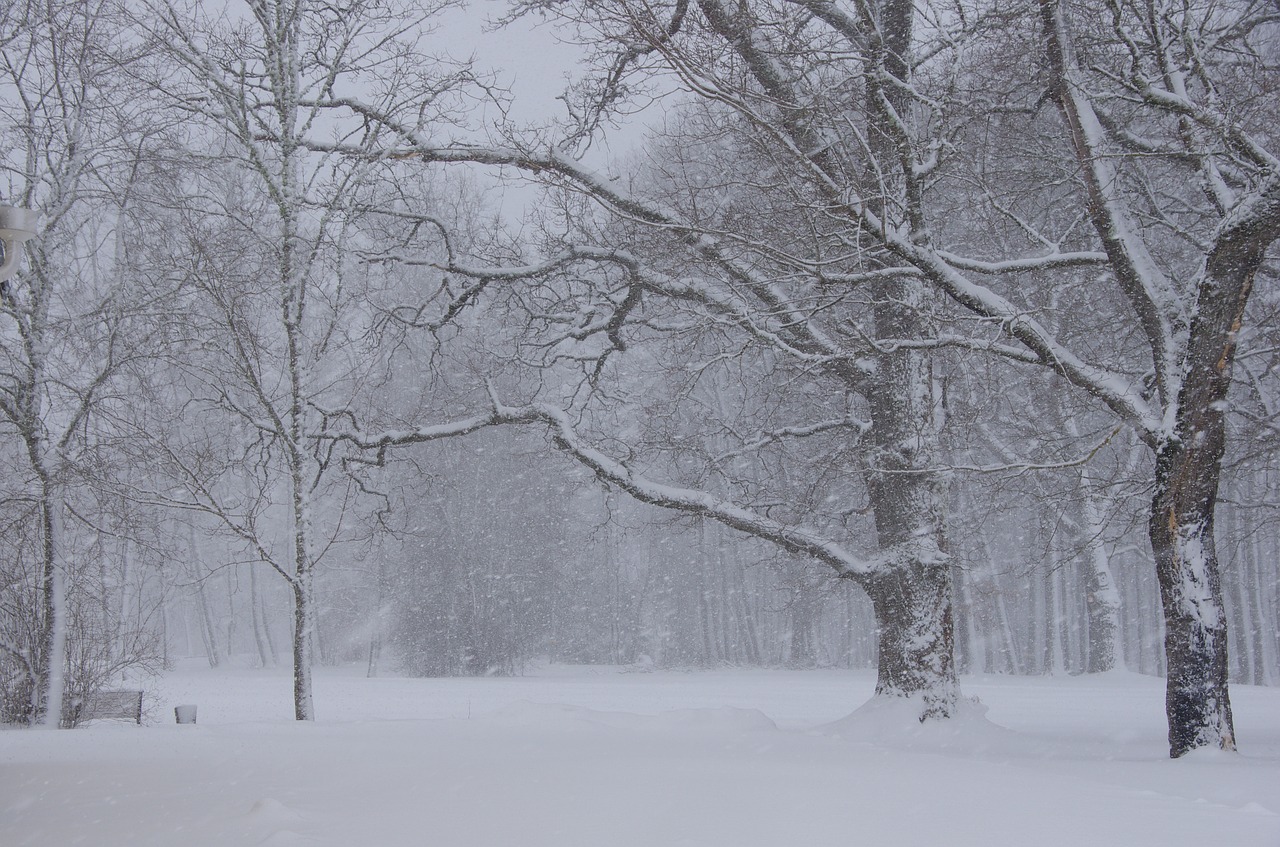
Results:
[20, 803]
[1209, 754]
[269, 810]
[527, 713]
[724, 719]
[287, 838]
[895, 722]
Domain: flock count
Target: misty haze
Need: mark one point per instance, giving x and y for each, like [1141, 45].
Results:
[689, 422]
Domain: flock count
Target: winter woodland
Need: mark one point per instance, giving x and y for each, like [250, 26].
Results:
[925, 336]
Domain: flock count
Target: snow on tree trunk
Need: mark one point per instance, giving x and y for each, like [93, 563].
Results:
[1103, 600]
[915, 638]
[51, 665]
[303, 578]
[1196, 698]
[1188, 470]
[303, 619]
[1181, 528]
[912, 596]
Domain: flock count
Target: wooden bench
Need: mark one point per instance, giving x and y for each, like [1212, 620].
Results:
[103, 705]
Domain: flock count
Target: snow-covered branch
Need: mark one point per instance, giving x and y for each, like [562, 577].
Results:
[794, 539]
[380, 441]
[1153, 296]
[795, 337]
[1052, 261]
[1024, 466]
[859, 427]
[1113, 389]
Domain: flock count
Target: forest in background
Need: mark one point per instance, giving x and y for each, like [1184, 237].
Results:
[280, 381]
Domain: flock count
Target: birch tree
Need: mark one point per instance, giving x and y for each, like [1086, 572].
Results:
[287, 314]
[77, 321]
[248, 79]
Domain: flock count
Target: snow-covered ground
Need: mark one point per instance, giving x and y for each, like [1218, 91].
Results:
[601, 757]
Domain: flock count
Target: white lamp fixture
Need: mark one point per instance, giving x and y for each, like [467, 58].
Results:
[16, 226]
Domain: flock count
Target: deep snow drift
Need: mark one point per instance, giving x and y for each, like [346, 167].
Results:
[603, 757]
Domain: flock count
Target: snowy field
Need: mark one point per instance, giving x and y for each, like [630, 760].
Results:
[599, 757]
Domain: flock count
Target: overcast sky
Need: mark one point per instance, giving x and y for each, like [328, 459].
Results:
[531, 60]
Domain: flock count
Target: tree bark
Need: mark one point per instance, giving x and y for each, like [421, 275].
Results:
[912, 595]
[915, 637]
[1102, 598]
[51, 660]
[1197, 703]
[1188, 469]
[303, 613]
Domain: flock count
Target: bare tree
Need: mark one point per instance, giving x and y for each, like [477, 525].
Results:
[78, 321]
[284, 317]
[861, 109]
[767, 288]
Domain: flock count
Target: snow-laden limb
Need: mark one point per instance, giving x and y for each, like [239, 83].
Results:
[801, 333]
[380, 442]
[801, 337]
[796, 337]
[1050, 261]
[959, 342]
[859, 427]
[1113, 389]
[1239, 141]
[1152, 295]
[907, 579]
[794, 539]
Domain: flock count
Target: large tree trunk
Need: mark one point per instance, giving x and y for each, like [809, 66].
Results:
[915, 637]
[1195, 642]
[1188, 468]
[911, 595]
